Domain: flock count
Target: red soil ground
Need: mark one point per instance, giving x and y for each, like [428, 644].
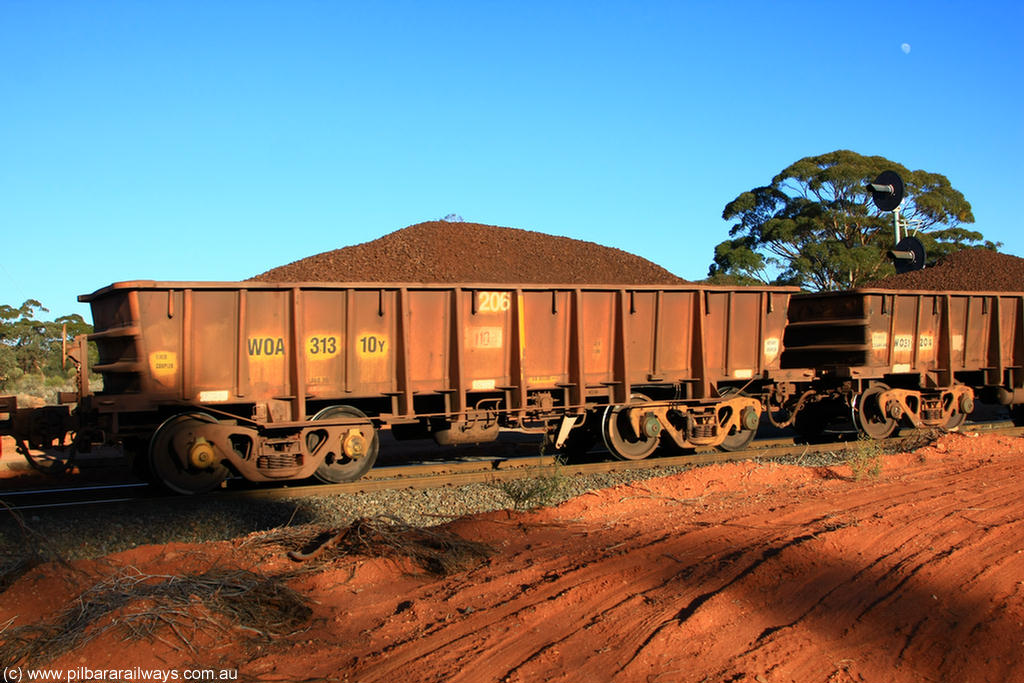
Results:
[743, 572]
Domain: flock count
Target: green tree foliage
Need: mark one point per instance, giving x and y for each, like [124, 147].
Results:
[815, 225]
[30, 346]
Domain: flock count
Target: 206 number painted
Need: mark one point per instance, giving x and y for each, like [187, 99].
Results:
[493, 302]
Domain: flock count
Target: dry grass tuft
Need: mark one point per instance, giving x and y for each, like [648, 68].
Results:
[919, 439]
[436, 551]
[141, 606]
[20, 556]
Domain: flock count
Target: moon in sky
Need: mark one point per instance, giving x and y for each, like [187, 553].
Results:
[906, 48]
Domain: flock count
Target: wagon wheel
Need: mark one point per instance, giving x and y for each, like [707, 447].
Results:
[738, 438]
[180, 460]
[965, 406]
[618, 434]
[338, 467]
[955, 421]
[53, 458]
[868, 415]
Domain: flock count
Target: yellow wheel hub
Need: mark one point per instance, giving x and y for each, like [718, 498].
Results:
[354, 443]
[202, 455]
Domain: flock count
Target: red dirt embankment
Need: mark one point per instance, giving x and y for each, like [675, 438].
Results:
[744, 572]
[440, 251]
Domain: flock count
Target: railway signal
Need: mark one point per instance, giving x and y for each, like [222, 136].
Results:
[887, 194]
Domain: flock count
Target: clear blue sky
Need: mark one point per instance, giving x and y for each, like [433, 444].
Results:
[215, 140]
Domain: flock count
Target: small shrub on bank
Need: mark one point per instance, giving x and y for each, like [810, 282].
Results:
[527, 493]
[866, 460]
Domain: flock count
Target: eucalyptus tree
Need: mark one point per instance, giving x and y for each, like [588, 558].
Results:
[815, 225]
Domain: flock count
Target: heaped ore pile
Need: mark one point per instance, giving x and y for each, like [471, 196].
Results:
[442, 252]
[974, 270]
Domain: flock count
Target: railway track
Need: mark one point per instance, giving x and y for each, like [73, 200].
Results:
[481, 469]
[74, 496]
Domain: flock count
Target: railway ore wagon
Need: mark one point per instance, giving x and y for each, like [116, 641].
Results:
[917, 357]
[286, 381]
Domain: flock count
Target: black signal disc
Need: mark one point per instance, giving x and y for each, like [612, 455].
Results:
[913, 246]
[887, 201]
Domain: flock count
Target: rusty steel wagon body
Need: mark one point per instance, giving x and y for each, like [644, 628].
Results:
[916, 357]
[286, 381]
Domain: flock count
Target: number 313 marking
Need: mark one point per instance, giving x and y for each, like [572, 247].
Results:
[322, 346]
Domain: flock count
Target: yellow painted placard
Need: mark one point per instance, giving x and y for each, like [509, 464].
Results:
[372, 346]
[322, 346]
[163, 363]
[218, 396]
[903, 342]
[485, 337]
[493, 302]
